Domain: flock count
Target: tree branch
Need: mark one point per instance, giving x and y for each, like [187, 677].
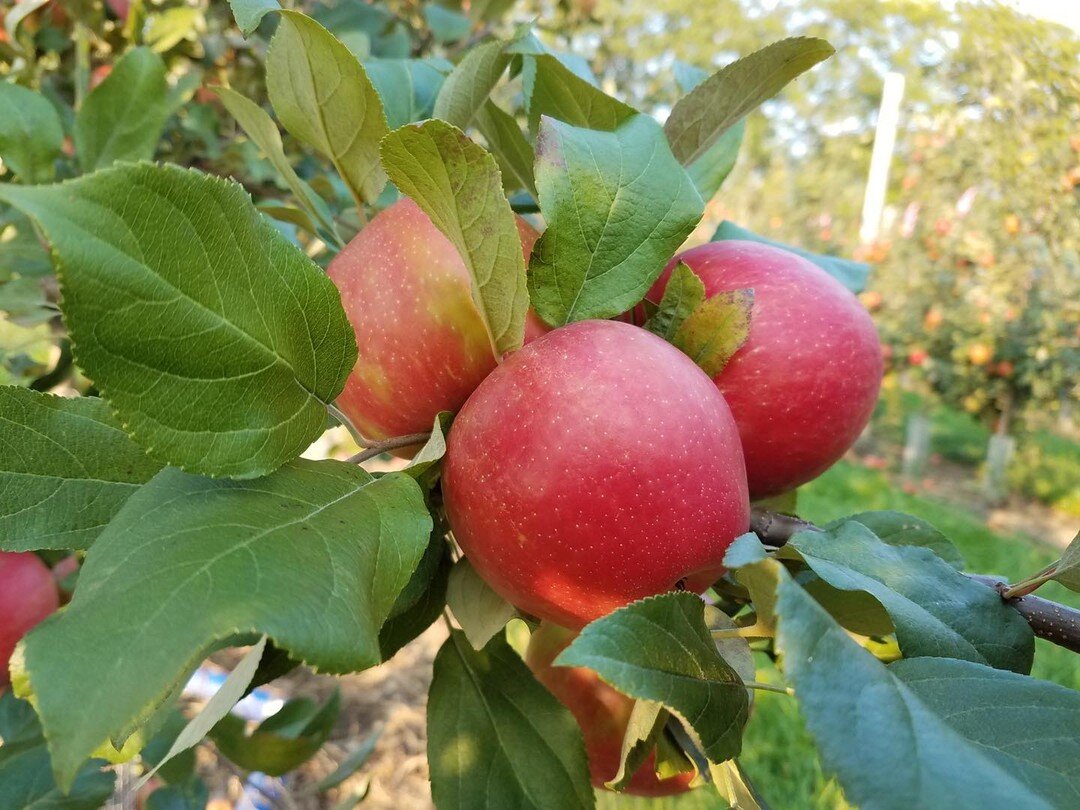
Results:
[1054, 622]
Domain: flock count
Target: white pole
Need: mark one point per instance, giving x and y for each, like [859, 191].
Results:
[877, 180]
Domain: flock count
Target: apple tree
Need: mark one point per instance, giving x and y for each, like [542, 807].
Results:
[601, 436]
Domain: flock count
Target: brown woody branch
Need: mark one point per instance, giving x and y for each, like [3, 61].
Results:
[373, 449]
[1049, 620]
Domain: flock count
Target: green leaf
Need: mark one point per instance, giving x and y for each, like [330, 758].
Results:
[324, 97]
[123, 117]
[1027, 726]
[1067, 571]
[182, 766]
[468, 86]
[659, 649]
[853, 275]
[898, 529]
[716, 329]
[489, 10]
[218, 707]
[509, 146]
[406, 623]
[937, 611]
[445, 24]
[643, 731]
[217, 342]
[684, 293]
[711, 169]
[23, 301]
[554, 90]
[260, 127]
[722, 100]
[688, 76]
[886, 746]
[366, 29]
[19, 12]
[66, 468]
[457, 184]
[191, 794]
[478, 609]
[249, 13]
[31, 136]
[167, 28]
[26, 779]
[434, 448]
[352, 763]
[283, 741]
[732, 783]
[313, 556]
[408, 87]
[617, 206]
[497, 738]
[754, 570]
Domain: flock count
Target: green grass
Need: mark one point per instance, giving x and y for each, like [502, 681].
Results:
[777, 752]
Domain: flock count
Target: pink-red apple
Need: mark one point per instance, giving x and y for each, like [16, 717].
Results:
[596, 466]
[804, 384]
[423, 345]
[602, 712]
[27, 595]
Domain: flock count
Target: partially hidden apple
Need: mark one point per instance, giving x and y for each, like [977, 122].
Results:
[596, 466]
[602, 712]
[804, 384]
[27, 595]
[423, 345]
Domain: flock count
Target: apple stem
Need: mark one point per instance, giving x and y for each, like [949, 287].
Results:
[375, 448]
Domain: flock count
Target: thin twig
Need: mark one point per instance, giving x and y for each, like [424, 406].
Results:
[1051, 621]
[374, 448]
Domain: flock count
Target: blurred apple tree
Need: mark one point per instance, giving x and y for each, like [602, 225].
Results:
[977, 283]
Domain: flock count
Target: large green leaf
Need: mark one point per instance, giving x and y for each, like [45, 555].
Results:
[31, 135]
[470, 83]
[554, 90]
[313, 556]
[324, 97]
[617, 205]
[124, 116]
[936, 610]
[1031, 728]
[899, 529]
[408, 87]
[721, 101]
[853, 275]
[888, 747]
[457, 183]
[66, 468]
[260, 127]
[497, 738]
[215, 339]
[367, 29]
[26, 779]
[659, 649]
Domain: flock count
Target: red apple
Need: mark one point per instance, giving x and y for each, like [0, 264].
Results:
[596, 466]
[27, 595]
[423, 346]
[602, 712]
[804, 384]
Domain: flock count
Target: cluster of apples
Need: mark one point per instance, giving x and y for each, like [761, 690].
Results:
[599, 464]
